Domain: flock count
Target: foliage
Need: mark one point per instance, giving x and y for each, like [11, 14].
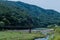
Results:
[22, 15]
[2, 23]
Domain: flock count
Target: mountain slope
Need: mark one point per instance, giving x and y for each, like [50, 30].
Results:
[25, 15]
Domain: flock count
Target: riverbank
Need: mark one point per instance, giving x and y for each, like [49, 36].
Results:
[56, 34]
[47, 32]
[19, 35]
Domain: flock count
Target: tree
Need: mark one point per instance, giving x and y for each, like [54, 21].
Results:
[30, 24]
[54, 26]
[30, 27]
[6, 21]
[1, 24]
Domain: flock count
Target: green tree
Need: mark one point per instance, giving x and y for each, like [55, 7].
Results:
[1, 24]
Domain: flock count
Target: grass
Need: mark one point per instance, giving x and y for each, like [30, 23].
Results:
[56, 34]
[56, 37]
[12, 35]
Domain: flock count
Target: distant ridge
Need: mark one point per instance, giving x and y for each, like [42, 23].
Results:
[25, 15]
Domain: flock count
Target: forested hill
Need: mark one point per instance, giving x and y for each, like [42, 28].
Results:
[23, 15]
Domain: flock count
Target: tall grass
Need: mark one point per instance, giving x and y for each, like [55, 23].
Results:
[56, 34]
[14, 35]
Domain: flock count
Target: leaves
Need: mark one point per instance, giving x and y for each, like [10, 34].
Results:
[24, 15]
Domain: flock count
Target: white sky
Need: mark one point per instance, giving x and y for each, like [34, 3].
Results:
[48, 4]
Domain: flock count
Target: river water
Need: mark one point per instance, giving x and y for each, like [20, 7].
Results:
[45, 31]
[46, 38]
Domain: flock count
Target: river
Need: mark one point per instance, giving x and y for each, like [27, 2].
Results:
[45, 31]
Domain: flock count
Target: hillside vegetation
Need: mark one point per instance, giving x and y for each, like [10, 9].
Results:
[23, 15]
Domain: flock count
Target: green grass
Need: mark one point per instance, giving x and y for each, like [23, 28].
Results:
[56, 37]
[56, 34]
[12, 35]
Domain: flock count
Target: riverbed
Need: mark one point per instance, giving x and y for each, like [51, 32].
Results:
[45, 32]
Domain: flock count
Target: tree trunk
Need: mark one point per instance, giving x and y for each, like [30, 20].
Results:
[30, 30]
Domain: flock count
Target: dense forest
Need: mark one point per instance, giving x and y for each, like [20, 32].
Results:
[22, 15]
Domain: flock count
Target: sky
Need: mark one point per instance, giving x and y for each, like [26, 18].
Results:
[46, 4]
